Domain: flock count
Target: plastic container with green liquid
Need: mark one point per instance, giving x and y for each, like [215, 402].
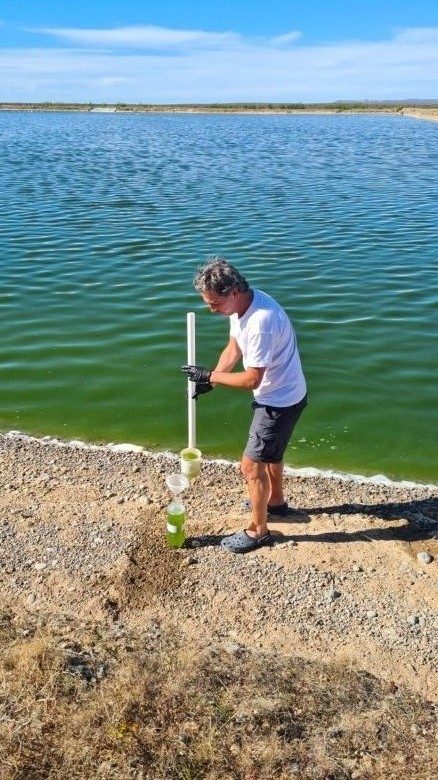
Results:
[176, 513]
[176, 519]
[190, 462]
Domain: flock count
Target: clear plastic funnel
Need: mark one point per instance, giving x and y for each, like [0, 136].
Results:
[177, 483]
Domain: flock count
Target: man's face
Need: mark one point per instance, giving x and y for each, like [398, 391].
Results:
[220, 304]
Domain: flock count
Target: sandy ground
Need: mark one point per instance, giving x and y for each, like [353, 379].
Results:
[82, 532]
[430, 114]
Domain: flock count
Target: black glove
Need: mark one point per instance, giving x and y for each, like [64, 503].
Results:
[200, 388]
[197, 374]
[201, 378]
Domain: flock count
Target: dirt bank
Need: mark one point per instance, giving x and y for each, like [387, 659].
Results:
[82, 532]
[430, 114]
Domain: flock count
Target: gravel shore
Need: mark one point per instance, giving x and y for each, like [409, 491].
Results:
[351, 577]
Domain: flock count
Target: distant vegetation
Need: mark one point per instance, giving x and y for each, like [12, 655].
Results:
[336, 106]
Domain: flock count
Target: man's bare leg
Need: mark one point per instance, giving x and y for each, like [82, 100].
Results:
[275, 477]
[256, 475]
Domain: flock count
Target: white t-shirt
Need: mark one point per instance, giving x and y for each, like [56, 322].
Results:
[267, 340]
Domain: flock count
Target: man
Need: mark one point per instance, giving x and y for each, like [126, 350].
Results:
[262, 336]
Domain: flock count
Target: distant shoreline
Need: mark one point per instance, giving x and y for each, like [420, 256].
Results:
[417, 112]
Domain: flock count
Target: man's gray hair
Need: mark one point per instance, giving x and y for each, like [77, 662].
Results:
[220, 277]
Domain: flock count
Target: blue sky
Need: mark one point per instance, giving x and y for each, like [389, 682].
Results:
[182, 51]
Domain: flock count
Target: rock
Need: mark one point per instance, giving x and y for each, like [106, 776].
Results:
[126, 448]
[233, 648]
[190, 560]
[371, 614]
[413, 620]
[424, 557]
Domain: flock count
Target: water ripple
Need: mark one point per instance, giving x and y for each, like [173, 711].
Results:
[104, 219]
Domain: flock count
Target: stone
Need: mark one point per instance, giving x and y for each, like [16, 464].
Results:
[424, 557]
[190, 560]
[233, 648]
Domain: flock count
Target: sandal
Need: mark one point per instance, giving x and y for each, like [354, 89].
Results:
[240, 542]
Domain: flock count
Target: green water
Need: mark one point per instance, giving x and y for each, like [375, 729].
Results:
[104, 219]
[176, 520]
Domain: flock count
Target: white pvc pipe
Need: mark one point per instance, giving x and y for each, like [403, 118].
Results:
[191, 360]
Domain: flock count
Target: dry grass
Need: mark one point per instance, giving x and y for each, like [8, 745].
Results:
[98, 701]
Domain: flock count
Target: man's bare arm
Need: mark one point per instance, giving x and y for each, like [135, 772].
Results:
[229, 357]
[244, 380]
[223, 373]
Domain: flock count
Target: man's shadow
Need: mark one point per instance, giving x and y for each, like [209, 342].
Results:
[421, 517]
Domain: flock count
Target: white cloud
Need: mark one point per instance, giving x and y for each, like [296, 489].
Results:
[283, 40]
[226, 67]
[418, 35]
[146, 37]
[109, 81]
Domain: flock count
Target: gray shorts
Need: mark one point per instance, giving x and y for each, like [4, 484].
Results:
[270, 431]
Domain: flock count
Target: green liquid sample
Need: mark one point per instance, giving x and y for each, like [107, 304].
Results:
[176, 535]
